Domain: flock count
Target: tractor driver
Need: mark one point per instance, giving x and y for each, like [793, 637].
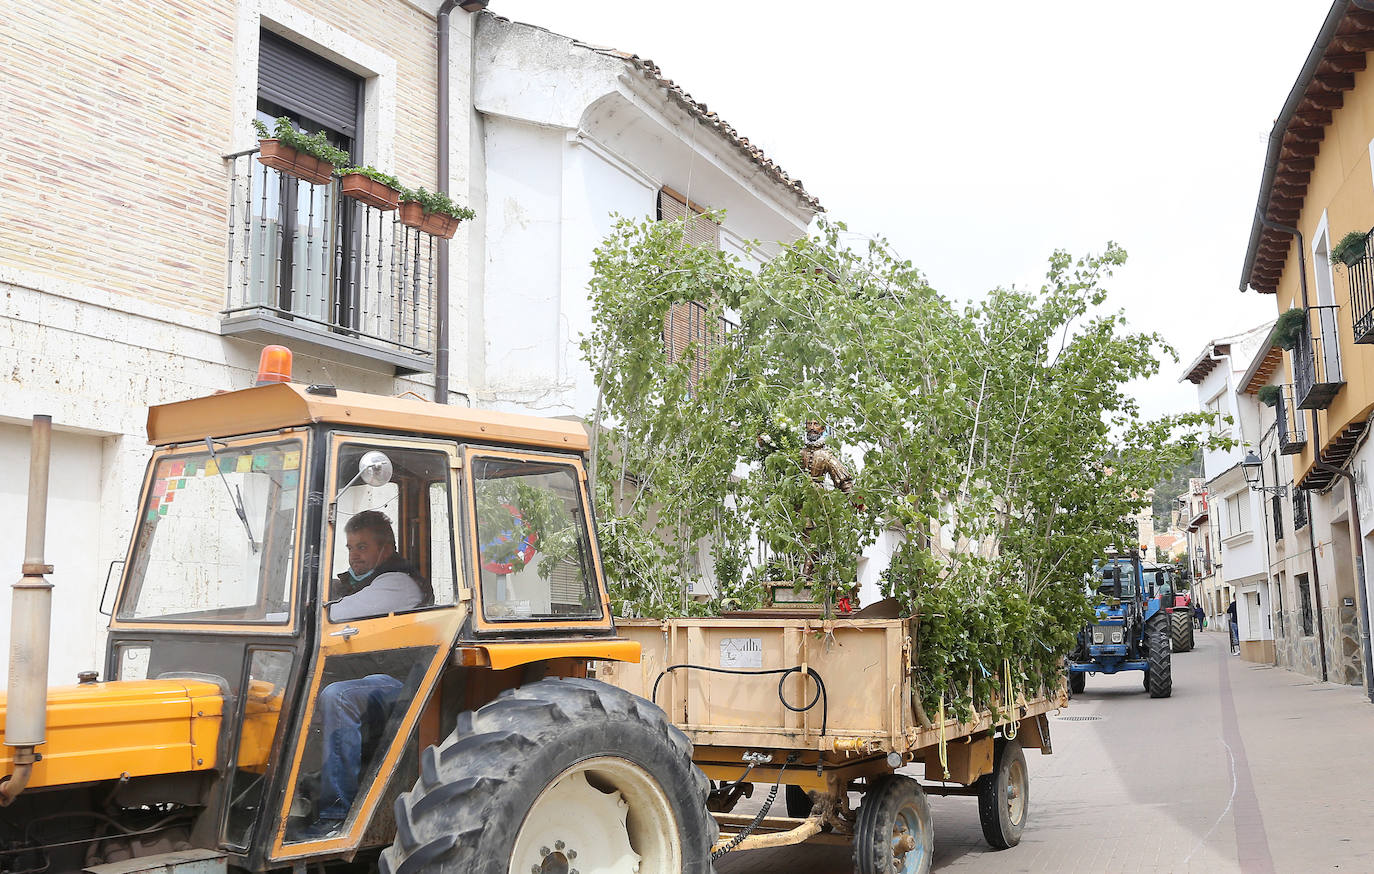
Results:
[377, 582]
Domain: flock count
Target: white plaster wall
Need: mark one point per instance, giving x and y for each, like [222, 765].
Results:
[1215, 461]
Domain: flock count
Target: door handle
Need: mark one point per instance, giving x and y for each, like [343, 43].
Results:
[346, 632]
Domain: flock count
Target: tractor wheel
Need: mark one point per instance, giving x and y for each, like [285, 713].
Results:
[557, 775]
[1159, 678]
[799, 803]
[1004, 796]
[1077, 682]
[894, 832]
[1180, 631]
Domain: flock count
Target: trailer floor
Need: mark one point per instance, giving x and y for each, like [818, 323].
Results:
[1246, 768]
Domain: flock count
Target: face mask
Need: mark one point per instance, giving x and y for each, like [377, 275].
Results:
[359, 578]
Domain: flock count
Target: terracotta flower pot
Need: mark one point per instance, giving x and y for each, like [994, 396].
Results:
[279, 156]
[412, 214]
[377, 195]
[440, 225]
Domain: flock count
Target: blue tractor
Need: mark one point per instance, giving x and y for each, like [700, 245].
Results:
[1130, 631]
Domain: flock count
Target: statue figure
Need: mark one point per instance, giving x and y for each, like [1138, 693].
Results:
[819, 462]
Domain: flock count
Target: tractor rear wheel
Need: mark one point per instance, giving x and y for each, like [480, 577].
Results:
[894, 832]
[1003, 796]
[557, 775]
[1180, 631]
[1159, 678]
[1077, 682]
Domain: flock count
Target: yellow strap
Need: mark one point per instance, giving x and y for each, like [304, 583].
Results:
[1013, 726]
[944, 753]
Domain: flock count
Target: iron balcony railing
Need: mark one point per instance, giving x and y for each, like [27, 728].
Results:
[1361, 276]
[1317, 373]
[307, 262]
[1291, 422]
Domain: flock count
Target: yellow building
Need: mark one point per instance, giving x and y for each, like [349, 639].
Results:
[1316, 205]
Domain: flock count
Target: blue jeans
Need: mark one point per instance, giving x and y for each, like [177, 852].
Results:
[1235, 636]
[344, 707]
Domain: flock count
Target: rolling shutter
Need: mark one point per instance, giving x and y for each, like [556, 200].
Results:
[304, 83]
[689, 322]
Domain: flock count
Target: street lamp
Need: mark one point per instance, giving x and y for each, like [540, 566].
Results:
[1253, 469]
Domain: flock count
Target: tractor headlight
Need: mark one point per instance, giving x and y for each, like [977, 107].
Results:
[1097, 637]
[1116, 637]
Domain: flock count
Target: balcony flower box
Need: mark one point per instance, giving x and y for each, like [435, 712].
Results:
[433, 214]
[371, 187]
[306, 156]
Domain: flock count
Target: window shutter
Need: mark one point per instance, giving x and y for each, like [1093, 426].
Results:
[687, 322]
[305, 83]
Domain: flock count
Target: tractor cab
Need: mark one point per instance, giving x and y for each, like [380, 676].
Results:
[245, 571]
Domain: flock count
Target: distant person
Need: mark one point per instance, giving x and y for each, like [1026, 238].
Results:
[1235, 632]
[1199, 617]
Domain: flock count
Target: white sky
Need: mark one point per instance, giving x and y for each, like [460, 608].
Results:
[979, 137]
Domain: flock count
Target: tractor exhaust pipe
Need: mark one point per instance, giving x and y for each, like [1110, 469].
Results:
[26, 722]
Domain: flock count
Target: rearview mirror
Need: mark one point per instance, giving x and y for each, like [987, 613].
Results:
[374, 468]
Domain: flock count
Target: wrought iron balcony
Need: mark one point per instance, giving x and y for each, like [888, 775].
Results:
[1317, 373]
[1361, 276]
[311, 266]
[1291, 422]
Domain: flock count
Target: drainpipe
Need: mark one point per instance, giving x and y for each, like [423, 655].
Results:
[441, 339]
[1316, 450]
[26, 724]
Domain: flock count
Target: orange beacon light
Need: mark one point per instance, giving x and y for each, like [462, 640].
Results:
[274, 365]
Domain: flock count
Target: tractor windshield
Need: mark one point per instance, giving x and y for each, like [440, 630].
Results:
[216, 536]
[1106, 580]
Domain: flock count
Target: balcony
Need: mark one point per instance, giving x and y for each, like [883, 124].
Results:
[1361, 276]
[1290, 420]
[1317, 373]
[313, 268]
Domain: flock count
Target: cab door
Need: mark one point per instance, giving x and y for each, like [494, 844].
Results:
[372, 674]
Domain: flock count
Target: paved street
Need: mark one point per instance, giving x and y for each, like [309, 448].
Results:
[1246, 768]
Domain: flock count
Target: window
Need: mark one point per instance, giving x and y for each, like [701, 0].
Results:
[1299, 509]
[1220, 407]
[217, 539]
[1277, 503]
[1305, 600]
[691, 323]
[1237, 514]
[532, 542]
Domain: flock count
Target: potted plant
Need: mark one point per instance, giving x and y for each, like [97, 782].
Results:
[371, 186]
[1350, 249]
[310, 157]
[1269, 395]
[434, 213]
[1288, 327]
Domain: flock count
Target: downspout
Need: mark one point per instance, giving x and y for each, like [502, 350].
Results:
[441, 339]
[1316, 449]
[26, 725]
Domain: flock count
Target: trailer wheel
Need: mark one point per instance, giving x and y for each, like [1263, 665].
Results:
[1077, 682]
[1159, 678]
[1004, 796]
[894, 832]
[1180, 631]
[557, 775]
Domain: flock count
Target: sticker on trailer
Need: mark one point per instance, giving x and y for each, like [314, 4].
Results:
[741, 652]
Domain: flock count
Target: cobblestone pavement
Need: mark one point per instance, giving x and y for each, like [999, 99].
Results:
[1246, 768]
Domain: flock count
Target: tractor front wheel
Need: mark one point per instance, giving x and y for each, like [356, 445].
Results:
[1180, 631]
[1159, 678]
[557, 775]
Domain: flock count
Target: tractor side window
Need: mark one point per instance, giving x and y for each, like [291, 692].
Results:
[532, 541]
[392, 547]
[263, 694]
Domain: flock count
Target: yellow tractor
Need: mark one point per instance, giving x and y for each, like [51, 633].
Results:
[261, 707]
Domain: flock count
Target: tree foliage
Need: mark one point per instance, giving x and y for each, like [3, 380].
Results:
[998, 439]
